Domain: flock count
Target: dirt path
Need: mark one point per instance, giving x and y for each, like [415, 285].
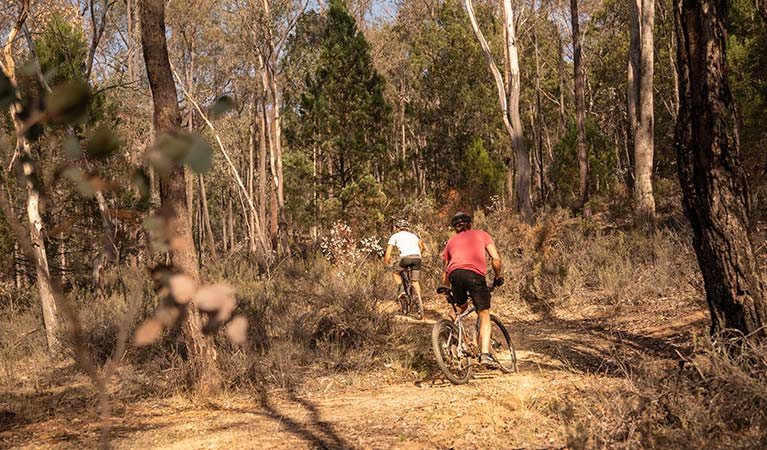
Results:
[569, 370]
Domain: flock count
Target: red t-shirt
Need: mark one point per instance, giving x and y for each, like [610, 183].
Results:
[466, 250]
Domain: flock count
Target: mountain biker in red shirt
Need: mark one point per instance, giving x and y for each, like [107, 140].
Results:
[465, 269]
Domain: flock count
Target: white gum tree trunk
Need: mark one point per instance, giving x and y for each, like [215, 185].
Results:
[509, 99]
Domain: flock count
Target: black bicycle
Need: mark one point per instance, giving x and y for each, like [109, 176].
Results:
[409, 300]
[455, 348]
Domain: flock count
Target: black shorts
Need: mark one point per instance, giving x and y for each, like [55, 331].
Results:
[414, 262]
[467, 282]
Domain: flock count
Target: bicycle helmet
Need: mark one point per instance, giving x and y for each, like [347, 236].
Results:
[401, 223]
[460, 217]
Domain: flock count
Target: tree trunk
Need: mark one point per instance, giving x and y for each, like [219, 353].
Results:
[640, 106]
[509, 105]
[714, 186]
[188, 176]
[252, 172]
[580, 112]
[539, 120]
[23, 152]
[224, 228]
[230, 213]
[262, 185]
[206, 219]
[206, 375]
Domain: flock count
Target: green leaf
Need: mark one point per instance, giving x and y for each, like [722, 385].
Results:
[102, 143]
[72, 148]
[199, 156]
[222, 105]
[67, 102]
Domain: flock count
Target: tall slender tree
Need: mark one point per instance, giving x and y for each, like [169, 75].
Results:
[509, 98]
[202, 352]
[580, 109]
[29, 167]
[640, 104]
[716, 193]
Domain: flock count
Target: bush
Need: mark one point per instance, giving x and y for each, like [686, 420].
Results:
[716, 398]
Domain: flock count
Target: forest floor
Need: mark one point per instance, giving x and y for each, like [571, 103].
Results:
[575, 370]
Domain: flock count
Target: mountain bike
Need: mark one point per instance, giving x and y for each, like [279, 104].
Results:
[409, 299]
[455, 347]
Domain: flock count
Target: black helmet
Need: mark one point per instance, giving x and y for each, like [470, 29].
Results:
[401, 223]
[460, 217]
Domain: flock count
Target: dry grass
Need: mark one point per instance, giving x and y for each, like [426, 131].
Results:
[594, 308]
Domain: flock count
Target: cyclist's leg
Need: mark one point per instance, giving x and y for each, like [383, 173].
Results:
[415, 275]
[480, 295]
[458, 281]
[396, 274]
[484, 330]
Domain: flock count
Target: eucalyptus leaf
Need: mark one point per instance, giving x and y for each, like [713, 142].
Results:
[80, 180]
[222, 105]
[29, 69]
[67, 102]
[199, 156]
[140, 181]
[7, 92]
[102, 143]
[71, 146]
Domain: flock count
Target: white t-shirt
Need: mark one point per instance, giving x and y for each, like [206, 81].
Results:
[406, 242]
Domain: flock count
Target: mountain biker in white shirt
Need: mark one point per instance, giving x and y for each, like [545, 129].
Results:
[410, 250]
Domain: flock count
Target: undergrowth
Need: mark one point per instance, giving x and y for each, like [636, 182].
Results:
[309, 318]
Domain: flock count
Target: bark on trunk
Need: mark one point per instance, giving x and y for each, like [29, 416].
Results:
[205, 372]
[716, 195]
[580, 112]
[23, 151]
[509, 105]
[262, 185]
[640, 106]
[206, 219]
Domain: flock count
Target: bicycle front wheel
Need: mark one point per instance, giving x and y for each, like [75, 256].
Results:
[451, 358]
[501, 346]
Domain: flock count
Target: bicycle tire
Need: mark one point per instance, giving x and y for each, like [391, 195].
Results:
[404, 303]
[447, 350]
[501, 346]
[416, 303]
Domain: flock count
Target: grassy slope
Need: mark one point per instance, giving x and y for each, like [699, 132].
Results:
[607, 322]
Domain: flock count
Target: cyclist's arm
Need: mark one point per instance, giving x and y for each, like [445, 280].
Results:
[496, 259]
[387, 255]
[445, 279]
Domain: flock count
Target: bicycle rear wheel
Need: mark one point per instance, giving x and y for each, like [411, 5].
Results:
[451, 358]
[404, 296]
[415, 303]
[501, 346]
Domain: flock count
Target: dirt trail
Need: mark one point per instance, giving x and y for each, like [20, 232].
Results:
[565, 364]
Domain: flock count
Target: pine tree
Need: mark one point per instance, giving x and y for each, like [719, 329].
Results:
[344, 111]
